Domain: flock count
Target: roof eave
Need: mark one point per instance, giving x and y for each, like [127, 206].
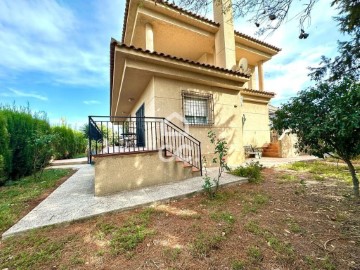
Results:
[257, 92]
[197, 17]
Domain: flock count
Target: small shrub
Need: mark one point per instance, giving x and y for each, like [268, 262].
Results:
[252, 171]
[221, 150]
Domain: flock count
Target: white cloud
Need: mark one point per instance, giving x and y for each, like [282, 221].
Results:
[18, 93]
[49, 37]
[91, 102]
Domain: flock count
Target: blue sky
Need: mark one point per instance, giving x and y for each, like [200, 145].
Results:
[55, 54]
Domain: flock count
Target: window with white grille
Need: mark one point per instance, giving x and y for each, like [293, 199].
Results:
[197, 108]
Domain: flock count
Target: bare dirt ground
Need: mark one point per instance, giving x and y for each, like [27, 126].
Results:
[292, 220]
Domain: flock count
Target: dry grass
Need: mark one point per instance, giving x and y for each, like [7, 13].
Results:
[285, 222]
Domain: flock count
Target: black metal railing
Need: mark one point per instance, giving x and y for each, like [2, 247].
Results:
[117, 135]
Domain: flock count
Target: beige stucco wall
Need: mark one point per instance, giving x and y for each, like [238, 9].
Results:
[227, 114]
[162, 98]
[147, 98]
[287, 143]
[125, 172]
[256, 130]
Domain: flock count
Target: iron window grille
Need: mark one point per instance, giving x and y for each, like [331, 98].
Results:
[198, 108]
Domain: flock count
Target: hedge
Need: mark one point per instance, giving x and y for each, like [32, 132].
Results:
[68, 142]
[27, 142]
[18, 131]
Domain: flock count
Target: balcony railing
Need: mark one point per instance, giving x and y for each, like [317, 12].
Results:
[119, 135]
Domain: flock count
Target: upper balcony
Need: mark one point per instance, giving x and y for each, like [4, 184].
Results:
[165, 28]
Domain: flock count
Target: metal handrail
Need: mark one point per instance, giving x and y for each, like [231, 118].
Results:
[154, 133]
[171, 123]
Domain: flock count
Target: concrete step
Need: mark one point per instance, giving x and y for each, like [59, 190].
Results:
[194, 169]
[185, 164]
[270, 155]
[270, 150]
[272, 146]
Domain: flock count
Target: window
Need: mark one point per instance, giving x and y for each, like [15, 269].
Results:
[197, 108]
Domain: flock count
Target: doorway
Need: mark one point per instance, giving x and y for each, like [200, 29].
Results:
[140, 126]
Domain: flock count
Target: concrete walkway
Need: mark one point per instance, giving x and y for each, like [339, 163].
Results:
[75, 200]
[273, 162]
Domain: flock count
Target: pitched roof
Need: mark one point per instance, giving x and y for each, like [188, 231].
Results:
[195, 16]
[114, 43]
[257, 41]
[163, 55]
[253, 91]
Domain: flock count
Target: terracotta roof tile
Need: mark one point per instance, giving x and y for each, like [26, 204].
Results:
[253, 91]
[229, 71]
[181, 10]
[115, 43]
[257, 41]
[125, 19]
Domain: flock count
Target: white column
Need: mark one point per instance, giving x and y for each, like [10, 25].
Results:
[261, 76]
[149, 42]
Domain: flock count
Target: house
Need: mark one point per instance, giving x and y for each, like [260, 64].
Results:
[173, 77]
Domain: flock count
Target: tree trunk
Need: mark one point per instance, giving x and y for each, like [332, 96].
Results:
[354, 177]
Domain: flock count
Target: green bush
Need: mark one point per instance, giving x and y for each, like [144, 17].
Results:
[19, 127]
[2, 170]
[4, 150]
[68, 143]
[252, 171]
[27, 142]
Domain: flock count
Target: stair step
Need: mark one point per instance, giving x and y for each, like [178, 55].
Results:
[270, 151]
[185, 165]
[271, 147]
[194, 169]
[271, 155]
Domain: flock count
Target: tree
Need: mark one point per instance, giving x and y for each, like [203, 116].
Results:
[326, 119]
[268, 15]
[349, 54]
